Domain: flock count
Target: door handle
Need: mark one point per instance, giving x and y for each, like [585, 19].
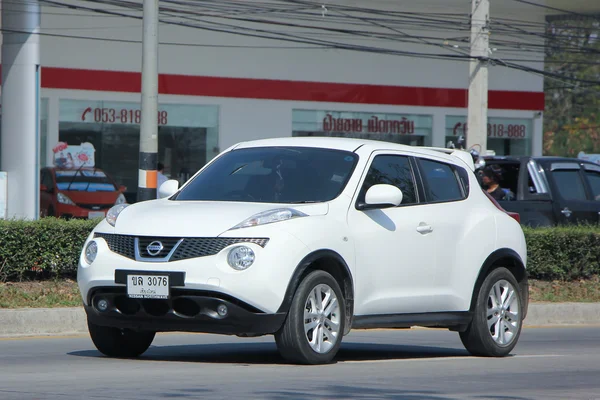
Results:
[422, 228]
[566, 212]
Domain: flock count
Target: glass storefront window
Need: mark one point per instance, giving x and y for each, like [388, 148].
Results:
[187, 137]
[409, 129]
[506, 136]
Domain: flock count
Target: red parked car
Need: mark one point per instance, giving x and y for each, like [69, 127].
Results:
[78, 193]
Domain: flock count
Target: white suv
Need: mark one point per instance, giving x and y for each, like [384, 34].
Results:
[307, 238]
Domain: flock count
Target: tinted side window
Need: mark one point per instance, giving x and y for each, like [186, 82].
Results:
[463, 175]
[569, 183]
[47, 179]
[594, 180]
[391, 170]
[442, 184]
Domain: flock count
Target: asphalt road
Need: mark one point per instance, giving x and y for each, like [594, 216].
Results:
[557, 363]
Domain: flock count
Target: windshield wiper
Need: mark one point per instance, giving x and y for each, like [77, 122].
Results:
[74, 176]
[238, 169]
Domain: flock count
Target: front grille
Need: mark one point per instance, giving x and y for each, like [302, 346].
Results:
[188, 248]
[202, 247]
[120, 244]
[94, 206]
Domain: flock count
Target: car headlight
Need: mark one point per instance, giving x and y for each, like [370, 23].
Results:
[113, 213]
[269, 217]
[120, 200]
[64, 199]
[240, 257]
[91, 250]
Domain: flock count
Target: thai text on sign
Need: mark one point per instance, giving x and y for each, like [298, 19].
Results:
[404, 126]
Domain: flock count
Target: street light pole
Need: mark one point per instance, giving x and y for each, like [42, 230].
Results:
[478, 76]
[148, 159]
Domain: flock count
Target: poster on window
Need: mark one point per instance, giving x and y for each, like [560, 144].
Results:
[73, 156]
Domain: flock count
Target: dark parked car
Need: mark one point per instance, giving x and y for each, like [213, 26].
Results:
[549, 191]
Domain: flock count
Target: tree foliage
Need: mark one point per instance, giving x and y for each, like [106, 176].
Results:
[572, 115]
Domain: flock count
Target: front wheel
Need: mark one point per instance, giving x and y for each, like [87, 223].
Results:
[313, 330]
[497, 320]
[114, 342]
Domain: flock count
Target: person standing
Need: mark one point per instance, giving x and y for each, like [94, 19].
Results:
[160, 177]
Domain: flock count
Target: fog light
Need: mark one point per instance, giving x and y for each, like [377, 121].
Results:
[240, 257]
[222, 310]
[102, 305]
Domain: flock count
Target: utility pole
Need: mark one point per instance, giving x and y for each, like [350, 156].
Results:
[478, 76]
[149, 119]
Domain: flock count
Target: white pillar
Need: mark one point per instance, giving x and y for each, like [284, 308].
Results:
[20, 107]
[478, 76]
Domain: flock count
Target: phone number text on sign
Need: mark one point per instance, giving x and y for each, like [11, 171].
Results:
[497, 131]
[123, 116]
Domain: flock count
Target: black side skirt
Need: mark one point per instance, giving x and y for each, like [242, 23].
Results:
[451, 320]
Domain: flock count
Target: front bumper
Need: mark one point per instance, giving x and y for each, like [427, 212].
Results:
[186, 310]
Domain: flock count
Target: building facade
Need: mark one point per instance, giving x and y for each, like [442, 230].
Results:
[219, 88]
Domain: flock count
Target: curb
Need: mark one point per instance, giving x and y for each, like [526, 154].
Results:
[70, 321]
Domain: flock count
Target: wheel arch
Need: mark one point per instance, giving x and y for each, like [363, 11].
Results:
[332, 263]
[510, 260]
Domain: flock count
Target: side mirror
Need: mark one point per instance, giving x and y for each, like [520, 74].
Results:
[381, 196]
[44, 188]
[122, 189]
[169, 188]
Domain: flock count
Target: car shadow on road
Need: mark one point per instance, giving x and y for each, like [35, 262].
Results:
[267, 354]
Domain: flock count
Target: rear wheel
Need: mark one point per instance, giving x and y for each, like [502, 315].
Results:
[115, 342]
[313, 330]
[496, 325]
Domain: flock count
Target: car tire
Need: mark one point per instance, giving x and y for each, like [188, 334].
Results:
[495, 328]
[313, 330]
[120, 343]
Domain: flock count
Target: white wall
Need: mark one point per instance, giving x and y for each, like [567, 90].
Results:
[288, 64]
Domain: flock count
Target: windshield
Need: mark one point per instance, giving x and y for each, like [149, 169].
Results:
[273, 175]
[84, 180]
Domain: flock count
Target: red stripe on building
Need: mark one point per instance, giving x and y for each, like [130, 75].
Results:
[271, 89]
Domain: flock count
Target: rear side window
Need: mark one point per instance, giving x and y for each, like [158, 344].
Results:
[593, 178]
[569, 184]
[391, 170]
[442, 182]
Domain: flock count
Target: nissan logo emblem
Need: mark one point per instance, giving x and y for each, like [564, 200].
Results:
[154, 248]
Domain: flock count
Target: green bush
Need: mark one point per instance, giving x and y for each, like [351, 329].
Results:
[563, 253]
[44, 249]
[50, 248]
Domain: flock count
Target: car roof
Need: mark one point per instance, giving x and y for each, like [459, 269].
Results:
[350, 144]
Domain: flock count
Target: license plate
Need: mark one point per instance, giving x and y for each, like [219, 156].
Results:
[148, 286]
[96, 214]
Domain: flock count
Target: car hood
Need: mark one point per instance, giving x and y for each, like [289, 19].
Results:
[195, 218]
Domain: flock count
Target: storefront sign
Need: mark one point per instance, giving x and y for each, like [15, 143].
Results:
[403, 126]
[119, 115]
[497, 128]
[70, 156]
[361, 123]
[125, 113]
